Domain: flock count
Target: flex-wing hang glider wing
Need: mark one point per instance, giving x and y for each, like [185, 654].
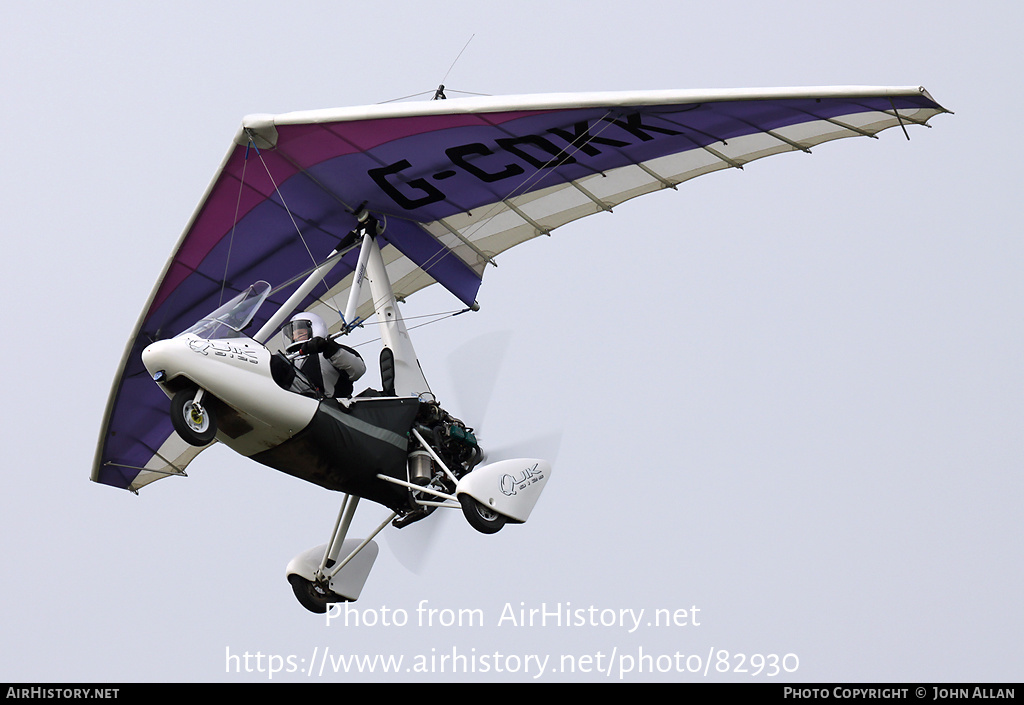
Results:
[457, 182]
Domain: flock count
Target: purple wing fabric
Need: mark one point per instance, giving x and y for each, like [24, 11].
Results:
[456, 182]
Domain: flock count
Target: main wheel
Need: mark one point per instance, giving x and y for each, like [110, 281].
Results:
[480, 516]
[195, 423]
[312, 596]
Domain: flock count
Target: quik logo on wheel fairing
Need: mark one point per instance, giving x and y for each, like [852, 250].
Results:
[511, 484]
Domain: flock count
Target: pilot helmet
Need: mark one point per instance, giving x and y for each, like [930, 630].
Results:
[303, 326]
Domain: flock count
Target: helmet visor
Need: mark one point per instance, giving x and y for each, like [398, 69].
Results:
[297, 332]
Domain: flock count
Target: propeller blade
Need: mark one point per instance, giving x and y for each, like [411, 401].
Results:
[414, 545]
[474, 368]
[545, 446]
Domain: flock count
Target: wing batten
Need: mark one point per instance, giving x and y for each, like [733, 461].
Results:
[482, 259]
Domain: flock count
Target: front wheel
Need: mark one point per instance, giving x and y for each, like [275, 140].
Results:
[480, 516]
[194, 422]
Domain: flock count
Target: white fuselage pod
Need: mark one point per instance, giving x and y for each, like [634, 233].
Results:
[236, 371]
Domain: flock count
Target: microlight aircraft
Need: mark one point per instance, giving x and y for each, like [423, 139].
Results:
[365, 206]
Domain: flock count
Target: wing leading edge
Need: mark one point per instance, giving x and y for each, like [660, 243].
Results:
[457, 182]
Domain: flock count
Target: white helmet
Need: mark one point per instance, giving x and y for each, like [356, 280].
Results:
[303, 326]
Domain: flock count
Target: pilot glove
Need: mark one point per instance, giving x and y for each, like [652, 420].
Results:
[318, 345]
[313, 346]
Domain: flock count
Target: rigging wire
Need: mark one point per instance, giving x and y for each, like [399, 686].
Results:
[234, 222]
[417, 95]
[439, 91]
[456, 59]
[284, 203]
[437, 318]
[453, 90]
[295, 225]
[395, 100]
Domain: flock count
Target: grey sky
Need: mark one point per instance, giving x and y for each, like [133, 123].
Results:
[790, 397]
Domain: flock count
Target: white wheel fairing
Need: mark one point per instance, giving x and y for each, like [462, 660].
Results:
[346, 585]
[509, 487]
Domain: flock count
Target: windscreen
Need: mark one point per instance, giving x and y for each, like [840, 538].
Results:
[230, 320]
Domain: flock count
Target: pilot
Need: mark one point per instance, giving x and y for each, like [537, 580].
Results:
[329, 366]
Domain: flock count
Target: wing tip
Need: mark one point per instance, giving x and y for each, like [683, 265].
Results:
[259, 129]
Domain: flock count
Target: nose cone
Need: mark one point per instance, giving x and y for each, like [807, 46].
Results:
[157, 356]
